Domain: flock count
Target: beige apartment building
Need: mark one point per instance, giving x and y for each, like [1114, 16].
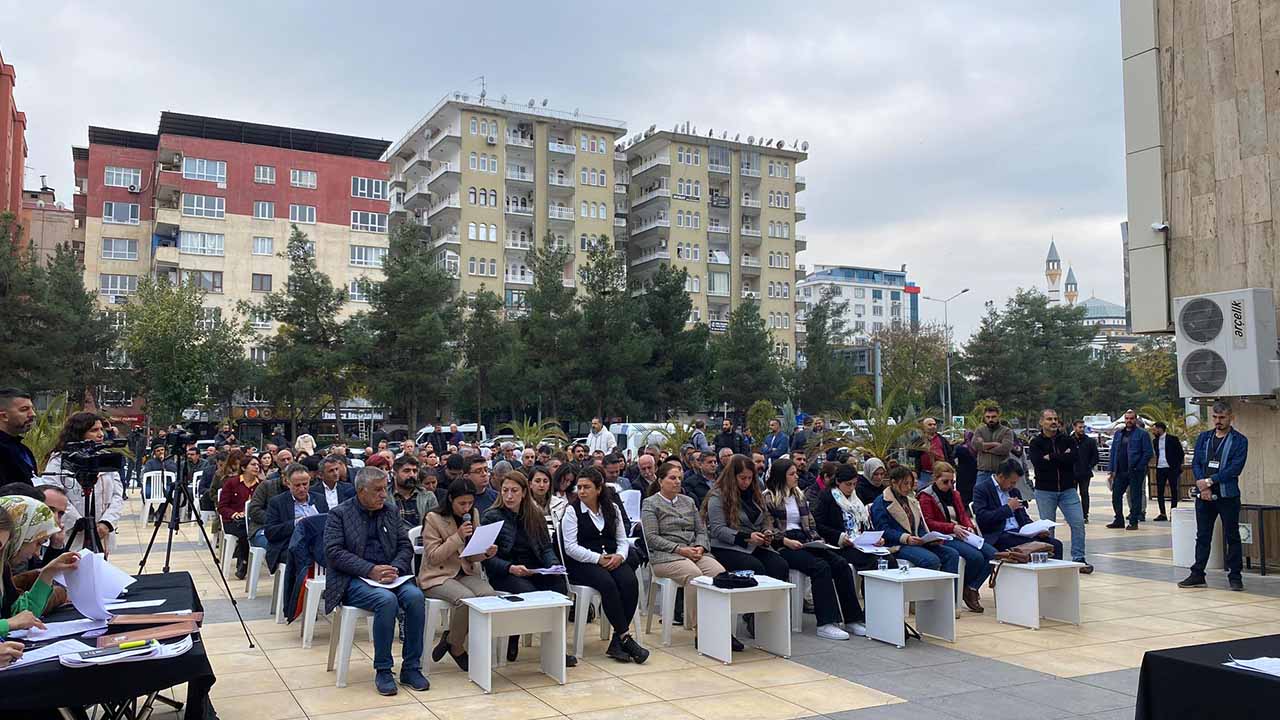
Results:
[726, 212]
[491, 178]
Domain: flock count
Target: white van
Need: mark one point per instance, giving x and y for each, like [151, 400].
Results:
[634, 436]
[471, 432]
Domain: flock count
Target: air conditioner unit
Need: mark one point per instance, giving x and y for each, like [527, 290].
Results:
[133, 188]
[492, 140]
[1227, 344]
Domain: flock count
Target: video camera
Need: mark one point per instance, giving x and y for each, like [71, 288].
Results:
[88, 458]
[177, 440]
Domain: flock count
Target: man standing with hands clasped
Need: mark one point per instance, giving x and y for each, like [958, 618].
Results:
[1219, 457]
[1054, 456]
[1131, 450]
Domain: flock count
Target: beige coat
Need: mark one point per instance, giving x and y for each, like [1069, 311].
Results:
[441, 548]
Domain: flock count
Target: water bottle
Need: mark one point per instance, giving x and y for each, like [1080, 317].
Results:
[882, 564]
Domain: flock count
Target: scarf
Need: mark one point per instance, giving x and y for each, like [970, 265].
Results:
[853, 508]
[870, 467]
[947, 501]
[905, 502]
[33, 521]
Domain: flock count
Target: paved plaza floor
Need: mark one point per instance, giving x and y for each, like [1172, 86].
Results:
[992, 671]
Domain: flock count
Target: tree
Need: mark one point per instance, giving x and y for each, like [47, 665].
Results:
[758, 417]
[412, 320]
[744, 368]
[913, 360]
[612, 350]
[310, 368]
[1153, 362]
[824, 370]
[533, 434]
[482, 339]
[679, 360]
[547, 326]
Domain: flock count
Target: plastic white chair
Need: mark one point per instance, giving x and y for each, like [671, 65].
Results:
[229, 543]
[585, 598]
[155, 483]
[342, 638]
[801, 582]
[277, 592]
[257, 559]
[959, 586]
[313, 589]
[666, 603]
[195, 493]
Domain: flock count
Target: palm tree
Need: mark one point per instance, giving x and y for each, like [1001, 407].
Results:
[671, 440]
[532, 433]
[43, 435]
[1174, 418]
[876, 432]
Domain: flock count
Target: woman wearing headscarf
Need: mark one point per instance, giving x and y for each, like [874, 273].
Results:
[30, 522]
[871, 483]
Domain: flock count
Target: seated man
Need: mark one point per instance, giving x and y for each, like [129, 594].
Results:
[332, 482]
[365, 538]
[286, 508]
[998, 506]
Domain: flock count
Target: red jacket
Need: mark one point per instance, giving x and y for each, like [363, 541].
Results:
[934, 516]
[234, 498]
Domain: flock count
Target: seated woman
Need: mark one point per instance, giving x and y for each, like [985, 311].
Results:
[822, 482]
[595, 549]
[871, 483]
[233, 501]
[540, 488]
[445, 574]
[945, 512]
[897, 513]
[834, 602]
[108, 493]
[25, 523]
[523, 545]
[840, 516]
[740, 529]
[677, 536]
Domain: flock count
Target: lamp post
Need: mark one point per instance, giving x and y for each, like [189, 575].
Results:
[946, 321]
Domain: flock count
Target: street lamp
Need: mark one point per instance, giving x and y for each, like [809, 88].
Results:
[946, 320]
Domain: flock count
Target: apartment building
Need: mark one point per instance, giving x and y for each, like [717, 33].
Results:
[876, 299]
[13, 143]
[725, 211]
[49, 223]
[491, 178]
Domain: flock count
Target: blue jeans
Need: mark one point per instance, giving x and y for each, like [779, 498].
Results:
[384, 604]
[259, 539]
[930, 557]
[924, 480]
[977, 563]
[1069, 500]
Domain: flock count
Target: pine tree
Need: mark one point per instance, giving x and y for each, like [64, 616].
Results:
[825, 373]
[483, 339]
[547, 326]
[680, 360]
[744, 368]
[612, 349]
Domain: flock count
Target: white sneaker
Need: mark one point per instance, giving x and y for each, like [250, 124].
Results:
[832, 632]
[856, 629]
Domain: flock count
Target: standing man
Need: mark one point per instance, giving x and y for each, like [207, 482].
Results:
[800, 438]
[991, 444]
[1169, 457]
[728, 438]
[600, 438]
[1054, 456]
[933, 449]
[1086, 461]
[413, 500]
[1220, 455]
[1130, 453]
[17, 415]
[776, 443]
[699, 437]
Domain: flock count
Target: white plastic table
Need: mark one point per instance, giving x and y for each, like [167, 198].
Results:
[1026, 592]
[492, 617]
[719, 608]
[888, 592]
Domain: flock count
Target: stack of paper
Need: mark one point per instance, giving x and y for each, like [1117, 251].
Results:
[481, 539]
[152, 651]
[52, 651]
[866, 543]
[553, 570]
[1032, 529]
[56, 630]
[93, 584]
[975, 540]
[389, 585]
[933, 535]
[1268, 665]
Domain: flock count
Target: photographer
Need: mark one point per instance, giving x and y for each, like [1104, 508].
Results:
[108, 492]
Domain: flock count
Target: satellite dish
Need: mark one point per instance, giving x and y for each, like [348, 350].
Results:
[782, 144]
[795, 144]
[724, 135]
[736, 136]
[544, 102]
[482, 94]
[694, 131]
[504, 97]
[805, 146]
[575, 112]
[653, 127]
[531, 102]
[711, 133]
[751, 139]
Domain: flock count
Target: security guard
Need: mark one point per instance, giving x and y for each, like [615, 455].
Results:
[1219, 457]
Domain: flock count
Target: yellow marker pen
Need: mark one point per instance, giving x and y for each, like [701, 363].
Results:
[132, 645]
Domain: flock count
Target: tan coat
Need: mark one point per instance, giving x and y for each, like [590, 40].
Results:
[441, 548]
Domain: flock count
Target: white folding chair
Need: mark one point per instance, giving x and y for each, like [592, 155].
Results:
[257, 559]
[155, 483]
[801, 583]
[666, 603]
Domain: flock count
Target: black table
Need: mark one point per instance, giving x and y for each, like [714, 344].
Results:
[1192, 682]
[50, 685]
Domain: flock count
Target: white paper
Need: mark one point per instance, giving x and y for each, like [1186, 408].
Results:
[391, 585]
[52, 651]
[154, 651]
[872, 549]
[870, 537]
[935, 535]
[59, 629]
[975, 540]
[134, 604]
[93, 583]
[553, 570]
[1032, 529]
[820, 545]
[1268, 665]
[482, 538]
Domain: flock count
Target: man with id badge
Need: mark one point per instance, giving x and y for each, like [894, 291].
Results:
[1219, 457]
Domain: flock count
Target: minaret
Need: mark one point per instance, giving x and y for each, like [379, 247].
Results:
[1072, 289]
[1053, 272]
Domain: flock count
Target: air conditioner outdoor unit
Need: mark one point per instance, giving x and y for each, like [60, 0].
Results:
[1227, 344]
[133, 188]
[492, 140]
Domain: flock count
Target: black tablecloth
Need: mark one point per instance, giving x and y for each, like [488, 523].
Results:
[50, 685]
[1192, 682]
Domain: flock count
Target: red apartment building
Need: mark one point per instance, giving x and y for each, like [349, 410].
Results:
[13, 143]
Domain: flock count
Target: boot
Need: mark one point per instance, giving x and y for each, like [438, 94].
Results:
[972, 601]
[637, 653]
[242, 569]
[513, 648]
[616, 651]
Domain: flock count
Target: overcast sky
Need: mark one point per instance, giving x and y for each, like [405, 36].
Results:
[955, 137]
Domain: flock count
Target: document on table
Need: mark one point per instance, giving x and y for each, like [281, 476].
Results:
[56, 630]
[553, 570]
[866, 543]
[1032, 529]
[975, 540]
[136, 604]
[482, 538]
[93, 584]
[934, 535]
[52, 651]
[1268, 665]
[391, 585]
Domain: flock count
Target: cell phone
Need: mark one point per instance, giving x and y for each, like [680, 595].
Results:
[512, 598]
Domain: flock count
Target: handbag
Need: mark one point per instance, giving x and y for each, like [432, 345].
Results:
[1019, 555]
[734, 581]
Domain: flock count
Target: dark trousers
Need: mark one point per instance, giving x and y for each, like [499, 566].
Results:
[1130, 481]
[618, 588]
[759, 561]
[533, 583]
[1008, 540]
[1167, 476]
[1083, 483]
[862, 561]
[831, 581]
[237, 529]
[1206, 513]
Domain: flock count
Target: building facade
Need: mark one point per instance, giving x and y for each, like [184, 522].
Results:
[727, 212]
[13, 143]
[49, 224]
[490, 179]
[876, 299]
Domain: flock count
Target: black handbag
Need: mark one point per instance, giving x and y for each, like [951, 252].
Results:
[735, 580]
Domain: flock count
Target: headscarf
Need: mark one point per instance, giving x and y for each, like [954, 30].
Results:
[870, 467]
[33, 521]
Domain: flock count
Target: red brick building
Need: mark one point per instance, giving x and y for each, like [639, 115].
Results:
[13, 143]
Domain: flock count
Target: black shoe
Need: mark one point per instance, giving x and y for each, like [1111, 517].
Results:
[513, 648]
[1117, 525]
[617, 652]
[570, 661]
[1236, 583]
[462, 659]
[637, 653]
[737, 644]
[1161, 518]
[415, 680]
[242, 569]
[442, 647]
[1192, 581]
[1087, 569]
[385, 682]
[750, 620]
[1131, 526]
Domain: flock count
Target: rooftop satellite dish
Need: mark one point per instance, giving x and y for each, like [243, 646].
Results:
[575, 112]
[457, 95]
[653, 127]
[736, 136]
[711, 133]
[769, 141]
[751, 139]
[531, 102]
[805, 146]
[504, 97]
[724, 135]
[544, 102]
[482, 94]
[782, 144]
[795, 144]
[675, 128]
[694, 131]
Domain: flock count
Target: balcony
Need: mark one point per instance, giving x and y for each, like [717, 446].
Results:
[446, 240]
[750, 232]
[718, 257]
[518, 140]
[524, 278]
[620, 189]
[515, 311]
[802, 243]
[519, 176]
[164, 257]
[568, 282]
[517, 243]
[719, 201]
[619, 222]
[749, 172]
[750, 265]
[713, 292]
[650, 225]
[650, 257]
[751, 204]
[801, 273]
[653, 194]
[516, 209]
[560, 213]
[651, 163]
[717, 229]
[716, 168]
[444, 173]
[619, 157]
[417, 165]
[452, 135]
[800, 213]
[750, 294]
[800, 183]
[558, 147]
[418, 196]
[560, 183]
[451, 202]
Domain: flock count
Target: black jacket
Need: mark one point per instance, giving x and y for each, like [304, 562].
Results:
[279, 524]
[1054, 459]
[1086, 456]
[1173, 451]
[732, 440]
[696, 486]
[828, 518]
[17, 462]
[515, 547]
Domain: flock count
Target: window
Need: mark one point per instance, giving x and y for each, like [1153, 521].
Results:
[259, 319]
[263, 246]
[493, 198]
[371, 188]
[582, 140]
[368, 221]
[697, 220]
[697, 156]
[261, 283]
[471, 196]
[471, 231]
[302, 214]
[120, 213]
[357, 292]
[206, 206]
[877, 295]
[493, 233]
[207, 280]
[473, 126]
[786, 320]
[484, 127]
[367, 256]
[484, 232]
[877, 311]
[123, 177]
[471, 266]
[311, 247]
[770, 168]
[493, 164]
[264, 209]
[471, 161]
[259, 355]
[209, 317]
[877, 327]
[264, 174]
[859, 326]
[583, 177]
[895, 295]
[119, 249]
[859, 310]
[201, 169]
[859, 293]
[584, 206]
[302, 178]
[114, 397]
[695, 315]
[199, 243]
[786, 290]
[117, 284]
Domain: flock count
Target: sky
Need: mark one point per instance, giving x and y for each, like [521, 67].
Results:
[957, 138]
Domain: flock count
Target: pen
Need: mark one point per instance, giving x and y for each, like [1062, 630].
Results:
[131, 645]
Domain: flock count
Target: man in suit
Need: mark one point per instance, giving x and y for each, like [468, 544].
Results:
[1000, 511]
[1220, 455]
[1131, 451]
[776, 443]
[286, 508]
[330, 484]
[1169, 456]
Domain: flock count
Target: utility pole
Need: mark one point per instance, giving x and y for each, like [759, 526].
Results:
[946, 321]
